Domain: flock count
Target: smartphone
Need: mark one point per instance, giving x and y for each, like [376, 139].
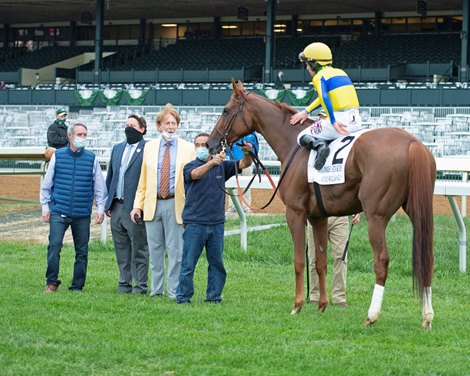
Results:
[138, 219]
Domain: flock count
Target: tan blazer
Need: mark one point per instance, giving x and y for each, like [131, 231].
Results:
[146, 195]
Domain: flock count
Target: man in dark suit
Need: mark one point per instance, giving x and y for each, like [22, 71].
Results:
[130, 239]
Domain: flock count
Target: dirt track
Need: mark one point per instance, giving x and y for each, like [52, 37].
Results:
[28, 225]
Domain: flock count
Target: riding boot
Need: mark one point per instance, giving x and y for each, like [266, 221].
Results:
[320, 146]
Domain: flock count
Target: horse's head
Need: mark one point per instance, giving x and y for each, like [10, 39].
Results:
[233, 124]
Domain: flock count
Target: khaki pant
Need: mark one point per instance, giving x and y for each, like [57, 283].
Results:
[338, 231]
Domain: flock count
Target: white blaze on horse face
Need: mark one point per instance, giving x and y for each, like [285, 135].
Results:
[376, 304]
[428, 312]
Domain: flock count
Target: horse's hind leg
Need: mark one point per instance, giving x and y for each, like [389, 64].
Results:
[428, 312]
[376, 228]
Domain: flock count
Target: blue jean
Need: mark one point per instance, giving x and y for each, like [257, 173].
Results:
[81, 235]
[195, 238]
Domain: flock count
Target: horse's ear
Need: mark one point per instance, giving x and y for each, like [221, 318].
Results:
[235, 88]
[241, 88]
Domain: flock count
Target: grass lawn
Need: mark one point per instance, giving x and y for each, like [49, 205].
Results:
[100, 332]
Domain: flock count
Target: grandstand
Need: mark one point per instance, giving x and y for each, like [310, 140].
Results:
[406, 67]
[445, 130]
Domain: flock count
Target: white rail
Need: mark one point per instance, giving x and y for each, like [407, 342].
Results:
[451, 189]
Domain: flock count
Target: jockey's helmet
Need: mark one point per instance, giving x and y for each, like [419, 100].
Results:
[316, 52]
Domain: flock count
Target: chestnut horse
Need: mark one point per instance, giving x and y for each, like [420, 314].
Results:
[385, 170]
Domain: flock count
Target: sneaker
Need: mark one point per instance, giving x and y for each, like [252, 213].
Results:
[51, 288]
[247, 210]
[231, 209]
[75, 289]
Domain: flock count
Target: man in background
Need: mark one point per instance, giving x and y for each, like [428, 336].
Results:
[338, 233]
[57, 137]
[237, 154]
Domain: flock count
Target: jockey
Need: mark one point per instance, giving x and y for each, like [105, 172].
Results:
[337, 98]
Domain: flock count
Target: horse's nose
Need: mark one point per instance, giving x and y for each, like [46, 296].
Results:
[214, 146]
[215, 149]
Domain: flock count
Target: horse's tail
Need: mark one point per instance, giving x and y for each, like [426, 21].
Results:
[421, 179]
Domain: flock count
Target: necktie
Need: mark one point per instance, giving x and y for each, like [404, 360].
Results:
[165, 173]
[122, 170]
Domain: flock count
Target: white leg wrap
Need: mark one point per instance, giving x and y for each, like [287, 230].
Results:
[428, 312]
[376, 303]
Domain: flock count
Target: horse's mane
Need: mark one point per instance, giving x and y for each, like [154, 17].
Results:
[283, 106]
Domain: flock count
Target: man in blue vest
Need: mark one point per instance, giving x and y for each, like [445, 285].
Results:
[72, 181]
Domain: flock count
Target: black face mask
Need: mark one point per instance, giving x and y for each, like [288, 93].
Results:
[133, 135]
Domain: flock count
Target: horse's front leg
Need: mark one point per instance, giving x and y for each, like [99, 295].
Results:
[376, 228]
[296, 222]
[320, 236]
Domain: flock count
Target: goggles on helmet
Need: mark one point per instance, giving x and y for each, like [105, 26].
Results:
[303, 58]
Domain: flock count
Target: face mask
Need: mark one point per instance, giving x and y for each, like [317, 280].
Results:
[79, 143]
[133, 135]
[202, 154]
[61, 121]
[169, 136]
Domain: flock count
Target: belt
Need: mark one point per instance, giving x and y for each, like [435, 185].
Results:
[120, 200]
[166, 198]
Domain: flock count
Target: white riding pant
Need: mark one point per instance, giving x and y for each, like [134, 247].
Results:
[324, 130]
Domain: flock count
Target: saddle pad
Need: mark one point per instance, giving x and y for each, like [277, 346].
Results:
[333, 170]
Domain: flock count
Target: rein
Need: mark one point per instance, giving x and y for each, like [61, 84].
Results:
[258, 164]
[268, 175]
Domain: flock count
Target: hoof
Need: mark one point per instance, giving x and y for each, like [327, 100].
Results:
[322, 308]
[368, 322]
[294, 312]
[427, 325]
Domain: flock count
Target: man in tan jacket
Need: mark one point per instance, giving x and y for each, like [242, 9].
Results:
[160, 200]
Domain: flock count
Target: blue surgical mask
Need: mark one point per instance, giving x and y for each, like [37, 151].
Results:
[79, 142]
[202, 154]
[169, 136]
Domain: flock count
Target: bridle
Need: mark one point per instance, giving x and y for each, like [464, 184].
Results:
[258, 164]
[233, 115]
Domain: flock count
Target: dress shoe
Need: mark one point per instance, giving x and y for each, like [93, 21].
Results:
[158, 295]
[51, 288]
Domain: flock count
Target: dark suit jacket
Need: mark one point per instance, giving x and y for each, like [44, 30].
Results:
[131, 176]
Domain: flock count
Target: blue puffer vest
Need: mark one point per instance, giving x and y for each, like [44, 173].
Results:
[72, 193]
